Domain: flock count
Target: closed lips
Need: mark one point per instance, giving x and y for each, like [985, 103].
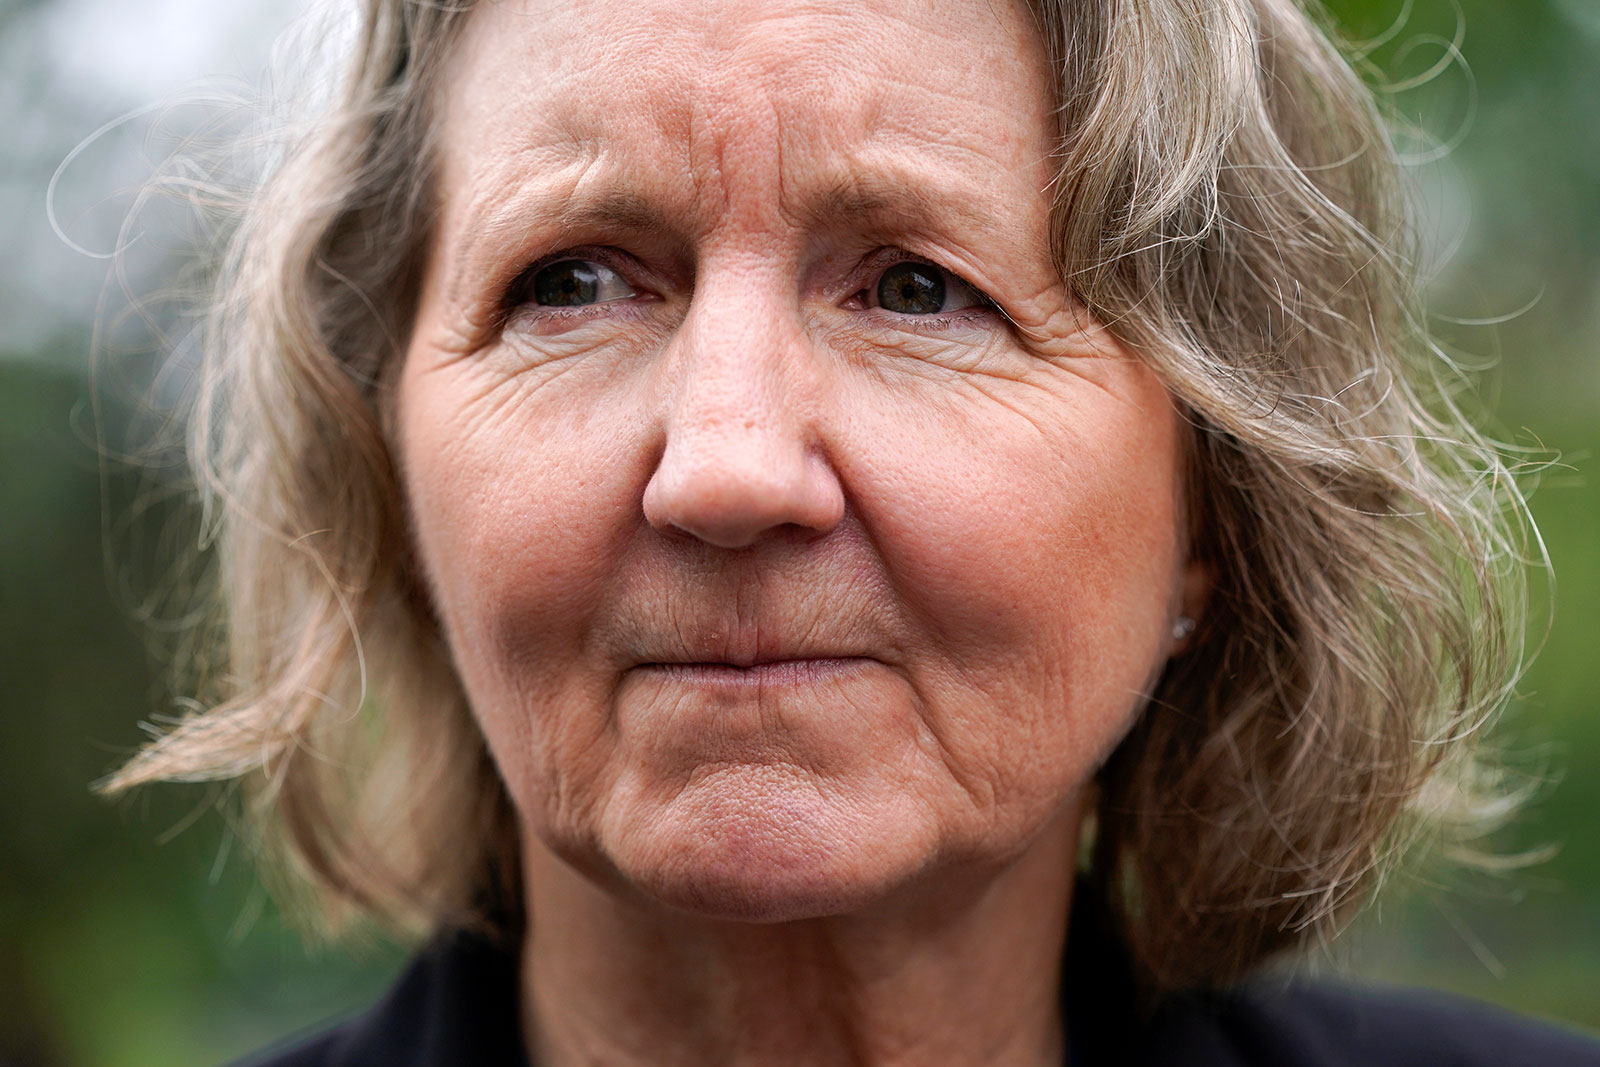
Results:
[792, 671]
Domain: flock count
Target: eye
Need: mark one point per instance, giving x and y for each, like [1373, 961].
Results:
[574, 283]
[913, 287]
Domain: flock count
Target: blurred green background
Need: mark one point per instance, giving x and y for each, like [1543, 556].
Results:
[134, 934]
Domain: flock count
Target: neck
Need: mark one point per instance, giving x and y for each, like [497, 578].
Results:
[954, 974]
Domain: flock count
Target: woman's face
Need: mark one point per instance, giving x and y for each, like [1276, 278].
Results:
[795, 536]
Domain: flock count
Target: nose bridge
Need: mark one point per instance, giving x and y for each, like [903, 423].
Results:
[744, 451]
[741, 360]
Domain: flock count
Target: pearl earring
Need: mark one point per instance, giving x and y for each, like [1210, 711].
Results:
[1182, 627]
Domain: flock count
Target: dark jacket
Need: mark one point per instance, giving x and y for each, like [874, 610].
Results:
[457, 1004]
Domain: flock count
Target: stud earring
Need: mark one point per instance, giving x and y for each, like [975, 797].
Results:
[1182, 627]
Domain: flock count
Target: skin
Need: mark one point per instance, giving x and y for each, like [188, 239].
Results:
[796, 626]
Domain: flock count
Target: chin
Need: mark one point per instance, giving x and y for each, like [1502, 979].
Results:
[770, 854]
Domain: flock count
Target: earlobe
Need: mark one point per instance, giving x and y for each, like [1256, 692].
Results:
[1193, 594]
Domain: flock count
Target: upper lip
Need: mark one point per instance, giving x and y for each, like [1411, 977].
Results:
[742, 614]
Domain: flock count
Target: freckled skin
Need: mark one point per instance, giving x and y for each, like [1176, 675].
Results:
[961, 535]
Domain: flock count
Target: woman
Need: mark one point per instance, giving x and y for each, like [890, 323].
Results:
[720, 505]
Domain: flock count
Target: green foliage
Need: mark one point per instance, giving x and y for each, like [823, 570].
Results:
[1524, 177]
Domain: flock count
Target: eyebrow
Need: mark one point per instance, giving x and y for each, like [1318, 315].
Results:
[618, 208]
[493, 230]
[900, 202]
[887, 203]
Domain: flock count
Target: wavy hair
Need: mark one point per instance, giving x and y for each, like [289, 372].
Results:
[1228, 202]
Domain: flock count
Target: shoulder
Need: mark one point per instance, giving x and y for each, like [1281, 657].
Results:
[1327, 1024]
[455, 1003]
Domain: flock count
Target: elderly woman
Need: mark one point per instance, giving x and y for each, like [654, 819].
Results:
[739, 519]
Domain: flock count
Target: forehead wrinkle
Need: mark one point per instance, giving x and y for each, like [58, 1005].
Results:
[729, 140]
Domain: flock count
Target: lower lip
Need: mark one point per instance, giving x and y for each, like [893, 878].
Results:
[783, 673]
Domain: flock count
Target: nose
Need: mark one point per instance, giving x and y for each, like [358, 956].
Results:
[744, 453]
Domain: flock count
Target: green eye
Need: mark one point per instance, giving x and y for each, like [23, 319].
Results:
[576, 283]
[916, 287]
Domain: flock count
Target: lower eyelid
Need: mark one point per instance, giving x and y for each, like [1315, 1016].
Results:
[985, 315]
[539, 318]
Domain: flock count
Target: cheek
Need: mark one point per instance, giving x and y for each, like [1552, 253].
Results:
[519, 509]
[492, 512]
[1037, 542]
[519, 487]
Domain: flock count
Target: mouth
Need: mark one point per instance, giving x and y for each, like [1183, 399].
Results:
[796, 671]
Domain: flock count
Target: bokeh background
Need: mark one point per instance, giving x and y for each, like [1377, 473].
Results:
[134, 933]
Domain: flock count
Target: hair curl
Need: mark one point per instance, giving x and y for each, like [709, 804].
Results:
[1227, 202]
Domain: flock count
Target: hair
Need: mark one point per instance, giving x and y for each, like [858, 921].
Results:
[1228, 202]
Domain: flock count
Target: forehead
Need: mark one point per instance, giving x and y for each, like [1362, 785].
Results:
[716, 108]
